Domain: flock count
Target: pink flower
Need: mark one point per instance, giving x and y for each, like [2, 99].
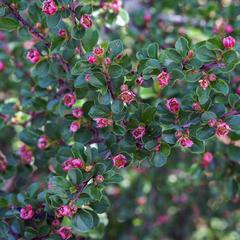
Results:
[87, 77]
[98, 179]
[114, 5]
[212, 122]
[204, 83]
[33, 56]
[2, 36]
[196, 106]
[26, 212]
[72, 163]
[139, 132]
[77, 112]
[62, 33]
[119, 161]
[2, 66]
[162, 219]
[124, 87]
[86, 21]
[163, 79]
[207, 159]
[103, 122]
[98, 51]
[26, 154]
[185, 141]
[222, 129]
[173, 105]
[49, 7]
[43, 142]
[140, 81]
[238, 90]
[63, 211]
[147, 17]
[55, 222]
[229, 42]
[127, 96]
[69, 99]
[212, 77]
[74, 126]
[91, 59]
[3, 163]
[107, 61]
[178, 134]
[65, 232]
[228, 29]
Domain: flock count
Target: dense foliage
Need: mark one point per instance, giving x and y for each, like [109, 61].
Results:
[119, 120]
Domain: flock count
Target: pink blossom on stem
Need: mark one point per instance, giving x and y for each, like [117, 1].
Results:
[86, 21]
[77, 112]
[207, 159]
[49, 7]
[69, 99]
[185, 142]
[2, 66]
[33, 56]
[119, 161]
[65, 232]
[43, 142]
[229, 42]
[98, 51]
[173, 105]
[139, 132]
[222, 129]
[63, 211]
[91, 59]
[204, 83]
[140, 81]
[163, 79]
[74, 126]
[103, 122]
[26, 212]
[26, 154]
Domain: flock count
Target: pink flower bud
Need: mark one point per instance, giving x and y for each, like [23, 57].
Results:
[141, 200]
[26, 212]
[139, 132]
[107, 61]
[98, 179]
[124, 87]
[2, 66]
[229, 42]
[72, 163]
[65, 232]
[228, 29]
[86, 21]
[87, 77]
[3, 162]
[185, 142]
[69, 99]
[204, 83]
[33, 56]
[207, 159]
[178, 134]
[63, 211]
[238, 90]
[91, 59]
[26, 154]
[56, 222]
[98, 51]
[43, 142]
[49, 7]
[163, 79]
[173, 105]
[196, 106]
[212, 122]
[127, 96]
[212, 77]
[74, 126]
[147, 18]
[62, 33]
[77, 112]
[103, 122]
[140, 81]
[222, 129]
[119, 161]
[2, 36]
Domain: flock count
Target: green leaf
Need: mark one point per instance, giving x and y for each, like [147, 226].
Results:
[182, 46]
[115, 71]
[173, 55]
[205, 55]
[75, 176]
[115, 47]
[41, 69]
[152, 50]
[158, 159]
[84, 220]
[208, 115]
[90, 39]
[203, 95]
[198, 146]
[8, 24]
[234, 122]
[220, 86]
[117, 106]
[122, 18]
[205, 133]
[99, 111]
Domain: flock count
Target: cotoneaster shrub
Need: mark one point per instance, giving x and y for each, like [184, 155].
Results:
[87, 107]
